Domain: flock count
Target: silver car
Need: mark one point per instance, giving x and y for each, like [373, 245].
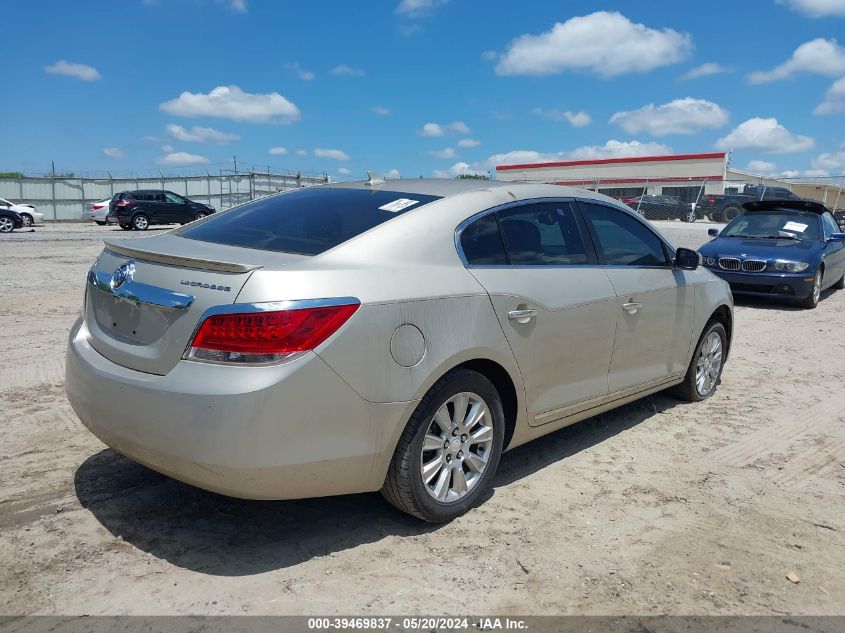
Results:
[394, 336]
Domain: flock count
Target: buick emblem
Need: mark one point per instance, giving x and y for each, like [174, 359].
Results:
[122, 274]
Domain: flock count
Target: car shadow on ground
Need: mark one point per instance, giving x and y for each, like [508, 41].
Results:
[217, 535]
[763, 303]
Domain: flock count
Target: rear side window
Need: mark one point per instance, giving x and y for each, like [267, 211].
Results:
[622, 240]
[306, 221]
[543, 235]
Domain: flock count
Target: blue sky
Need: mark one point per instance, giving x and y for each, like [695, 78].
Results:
[419, 87]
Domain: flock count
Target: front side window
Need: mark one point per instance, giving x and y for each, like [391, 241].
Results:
[545, 234]
[622, 240]
[830, 226]
[173, 198]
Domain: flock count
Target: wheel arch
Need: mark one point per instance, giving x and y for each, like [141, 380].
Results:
[724, 315]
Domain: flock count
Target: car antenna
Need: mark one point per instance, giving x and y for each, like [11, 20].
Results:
[373, 181]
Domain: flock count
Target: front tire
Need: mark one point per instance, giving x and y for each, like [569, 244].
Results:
[449, 450]
[27, 219]
[812, 299]
[140, 222]
[705, 369]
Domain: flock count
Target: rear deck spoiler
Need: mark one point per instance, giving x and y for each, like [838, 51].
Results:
[120, 247]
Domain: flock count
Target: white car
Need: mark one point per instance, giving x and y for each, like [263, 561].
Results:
[28, 212]
[98, 212]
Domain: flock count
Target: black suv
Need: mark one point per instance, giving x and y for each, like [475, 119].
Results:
[139, 209]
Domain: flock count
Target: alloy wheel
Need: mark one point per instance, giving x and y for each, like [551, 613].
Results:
[709, 364]
[27, 219]
[817, 287]
[456, 447]
[140, 222]
[6, 225]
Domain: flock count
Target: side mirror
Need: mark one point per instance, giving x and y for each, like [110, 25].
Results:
[687, 259]
[713, 232]
[836, 237]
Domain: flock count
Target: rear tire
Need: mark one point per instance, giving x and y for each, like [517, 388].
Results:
[406, 486]
[840, 285]
[705, 369]
[690, 216]
[729, 213]
[140, 222]
[199, 216]
[6, 224]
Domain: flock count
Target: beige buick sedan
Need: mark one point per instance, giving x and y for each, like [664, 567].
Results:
[394, 336]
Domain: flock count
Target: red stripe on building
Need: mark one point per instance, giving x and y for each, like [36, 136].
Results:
[611, 161]
[636, 181]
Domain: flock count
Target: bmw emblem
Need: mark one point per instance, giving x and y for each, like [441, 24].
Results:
[122, 274]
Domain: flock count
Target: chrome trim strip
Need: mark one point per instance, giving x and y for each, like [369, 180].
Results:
[137, 292]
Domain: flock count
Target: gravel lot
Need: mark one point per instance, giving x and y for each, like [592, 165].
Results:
[657, 507]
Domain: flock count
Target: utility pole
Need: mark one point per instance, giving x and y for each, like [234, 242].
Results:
[235, 161]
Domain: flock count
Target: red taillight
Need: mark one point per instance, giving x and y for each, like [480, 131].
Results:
[711, 200]
[260, 337]
[123, 203]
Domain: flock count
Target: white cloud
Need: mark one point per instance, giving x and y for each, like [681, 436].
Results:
[199, 134]
[604, 43]
[681, 116]
[277, 151]
[765, 135]
[343, 171]
[415, 8]
[230, 102]
[459, 169]
[816, 8]
[575, 119]
[71, 69]
[761, 167]
[818, 57]
[381, 110]
[834, 100]
[705, 70]
[438, 129]
[446, 152]
[468, 142]
[343, 69]
[167, 148]
[237, 5]
[182, 159]
[113, 152]
[833, 161]
[331, 154]
[817, 173]
[611, 149]
[302, 152]
[489, 56]
[300, 72]
[393, 173]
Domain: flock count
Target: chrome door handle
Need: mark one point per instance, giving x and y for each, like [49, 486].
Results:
[522, 316]
[631, 307]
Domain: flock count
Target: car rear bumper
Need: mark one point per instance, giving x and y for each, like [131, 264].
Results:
[775, 286]
[280, 432]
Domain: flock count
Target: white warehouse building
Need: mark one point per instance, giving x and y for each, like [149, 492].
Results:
[684, 176]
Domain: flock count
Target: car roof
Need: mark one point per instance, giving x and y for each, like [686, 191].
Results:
[786, 205]
[448, 187]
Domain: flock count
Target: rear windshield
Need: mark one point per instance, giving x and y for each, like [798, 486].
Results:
[306, 221]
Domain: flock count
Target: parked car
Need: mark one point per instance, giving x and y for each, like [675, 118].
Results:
[663, 208]
[28, 212]
[724, 208]
[9, 220]
[839, 216]
[140, 209]
[98, 212]
[390, 335]
[782, 249]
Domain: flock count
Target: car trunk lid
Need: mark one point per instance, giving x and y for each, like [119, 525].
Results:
[145, 297]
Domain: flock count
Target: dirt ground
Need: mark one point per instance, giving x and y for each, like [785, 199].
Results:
[658, 507]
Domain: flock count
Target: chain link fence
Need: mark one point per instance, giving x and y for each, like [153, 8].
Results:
[66, 198]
